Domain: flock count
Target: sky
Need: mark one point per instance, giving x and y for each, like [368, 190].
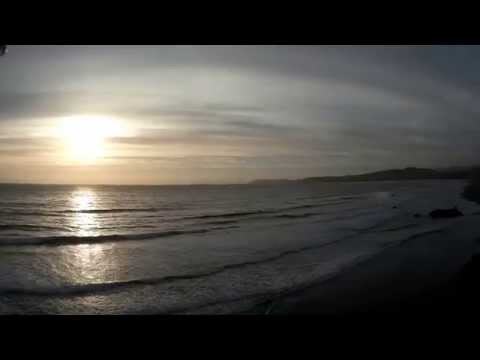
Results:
[232, 114]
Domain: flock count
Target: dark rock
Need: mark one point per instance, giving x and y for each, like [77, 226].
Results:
[394, 207]
[416, 216]
[446, 213]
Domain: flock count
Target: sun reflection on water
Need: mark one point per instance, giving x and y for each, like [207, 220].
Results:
[83, 221]
[87, 263]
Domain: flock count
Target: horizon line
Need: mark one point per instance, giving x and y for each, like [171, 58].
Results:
[229, 184]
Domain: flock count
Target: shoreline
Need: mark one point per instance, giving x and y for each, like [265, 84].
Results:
[434, 274]
[390, 282]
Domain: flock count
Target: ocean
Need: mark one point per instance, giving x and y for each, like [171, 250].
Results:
[198, 249]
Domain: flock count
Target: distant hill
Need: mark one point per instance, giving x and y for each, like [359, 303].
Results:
[410, 173]
[402, 174]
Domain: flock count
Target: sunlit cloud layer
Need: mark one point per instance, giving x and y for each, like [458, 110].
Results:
[221, 114]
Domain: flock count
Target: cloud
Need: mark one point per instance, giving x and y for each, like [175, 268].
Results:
[216, 161]
[33, 148]
[320, 108]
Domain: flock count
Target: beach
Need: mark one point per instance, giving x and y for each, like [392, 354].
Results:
[421, 275]
[434, 274]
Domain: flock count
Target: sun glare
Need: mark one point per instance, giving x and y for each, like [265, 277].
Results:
[85, 137]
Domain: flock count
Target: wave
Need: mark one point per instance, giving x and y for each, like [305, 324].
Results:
[142, 226]
[227, 218]
[300, 207]
[332, 197]
[107, 211]
[29, 213]
[19, 203]
[27, 227]
[404, 227]
[227, 215]
[222, 222]
[88, 289]
[92, 211]
[351, 197]
[260, 212]
[77, 240]
[156, 212]
[422, 234]
[295, 216]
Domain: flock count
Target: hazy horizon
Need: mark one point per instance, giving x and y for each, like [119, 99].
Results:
[188, 115]
[224, 183]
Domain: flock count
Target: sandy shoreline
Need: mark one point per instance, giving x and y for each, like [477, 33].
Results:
[421, 274]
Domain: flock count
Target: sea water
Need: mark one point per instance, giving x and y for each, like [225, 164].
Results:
[198, 249]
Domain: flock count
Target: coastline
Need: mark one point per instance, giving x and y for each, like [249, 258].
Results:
[431, 275]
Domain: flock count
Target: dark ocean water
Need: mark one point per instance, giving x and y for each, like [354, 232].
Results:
[219, 249]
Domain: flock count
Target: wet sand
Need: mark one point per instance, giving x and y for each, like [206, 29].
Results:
[431, 274]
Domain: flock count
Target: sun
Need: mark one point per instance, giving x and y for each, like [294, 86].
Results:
[85, 136]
